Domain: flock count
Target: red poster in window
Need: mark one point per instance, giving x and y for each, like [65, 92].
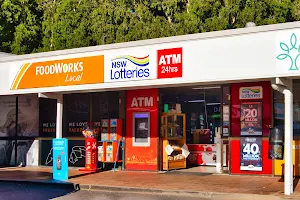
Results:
[251, 119]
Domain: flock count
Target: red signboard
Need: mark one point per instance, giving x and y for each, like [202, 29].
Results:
[237, 127]
[169, 63]
[91, 154]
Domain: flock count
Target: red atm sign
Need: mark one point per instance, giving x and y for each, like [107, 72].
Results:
[169, 63]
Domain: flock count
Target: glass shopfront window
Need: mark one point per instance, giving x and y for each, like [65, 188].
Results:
[88, 107]
[279, 109]
[79, 109]
[202, 108]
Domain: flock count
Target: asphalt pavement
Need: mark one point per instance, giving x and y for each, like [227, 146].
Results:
[107, 195]
[127, 195]
[33, 191]
[42, 191]
[10, 190]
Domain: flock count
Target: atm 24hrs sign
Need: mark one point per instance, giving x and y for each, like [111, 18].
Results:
[169, 63]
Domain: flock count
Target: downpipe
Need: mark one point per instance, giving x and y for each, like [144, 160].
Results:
[288, 135]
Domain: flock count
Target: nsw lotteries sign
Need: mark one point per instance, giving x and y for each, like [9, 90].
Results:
[144, 65]
[129, 67]
[251, 154]
[251, 92]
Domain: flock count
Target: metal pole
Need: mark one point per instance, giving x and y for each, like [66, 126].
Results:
[59, 116]
[219, 166]
[288, 141]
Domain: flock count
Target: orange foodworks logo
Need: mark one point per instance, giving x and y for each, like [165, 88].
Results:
[76, 71]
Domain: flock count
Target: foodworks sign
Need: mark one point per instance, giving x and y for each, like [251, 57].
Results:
[66, 72]
[130, 68]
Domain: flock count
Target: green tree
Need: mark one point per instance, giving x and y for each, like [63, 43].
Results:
[20, 26]
[264, 12]
[43, 25]
[66, 24]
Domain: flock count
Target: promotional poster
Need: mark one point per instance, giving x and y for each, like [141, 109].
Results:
[28, 116]
[251, 154]
[276, 144]
[204, 154]
[27, 124]
[47, 117]
[251, 119]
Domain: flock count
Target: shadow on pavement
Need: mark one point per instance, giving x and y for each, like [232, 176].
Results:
[25, 175]
[10, 190]
[84, 174]
[295, 183]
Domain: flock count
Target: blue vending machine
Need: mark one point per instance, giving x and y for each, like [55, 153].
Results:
[60, 159]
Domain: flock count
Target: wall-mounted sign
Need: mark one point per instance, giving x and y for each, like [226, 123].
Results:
[76, 71]
[142, 102]
[255, 92]
[129, 67]
[251, 154]
[251, 119]
[287, 54]
[169, 63]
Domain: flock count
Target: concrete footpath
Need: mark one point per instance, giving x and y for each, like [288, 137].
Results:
[203, 185]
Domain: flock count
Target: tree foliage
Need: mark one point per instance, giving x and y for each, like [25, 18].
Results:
[28, 26]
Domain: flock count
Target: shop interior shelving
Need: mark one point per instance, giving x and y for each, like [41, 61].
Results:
[173, 131]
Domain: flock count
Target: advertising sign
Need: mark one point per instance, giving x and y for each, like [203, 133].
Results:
[276, 144]
[226, 113]
[279, 111]
[169, 63]
[127, 67]
[251, 154]
[143, 65]
[76, 71]
[226, 120]
[91, 154]
[255, 92]
[251, 119]
[287, 43]
[205, 154]
[60, 159]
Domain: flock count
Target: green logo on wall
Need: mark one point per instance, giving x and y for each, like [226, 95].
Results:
[288, 50]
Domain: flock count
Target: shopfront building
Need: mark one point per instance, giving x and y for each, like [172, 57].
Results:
[180, 99]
